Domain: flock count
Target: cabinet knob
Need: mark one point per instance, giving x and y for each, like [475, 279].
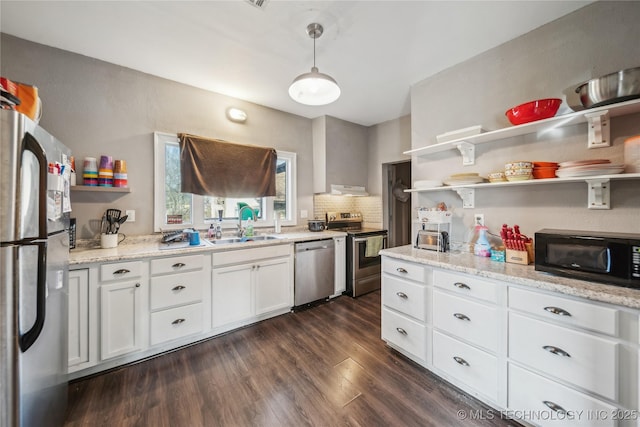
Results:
[460, 361]
[461, 317]
[402, 331]
[461, 285]
[178, 288]
[402, 295]
[137, 285]
[554, 407]
[558, 311]
[178, 265]
[556, 350]
[122, 271]
[178, 321]
[401, 270]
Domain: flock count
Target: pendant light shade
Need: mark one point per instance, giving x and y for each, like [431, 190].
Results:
[314, 88]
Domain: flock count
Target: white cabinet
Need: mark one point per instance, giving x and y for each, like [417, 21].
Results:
[546, 358]
[78, 318]
[469, 329]
[179, 297]
[340, 265]
[248, 285]
[123, 295]
[406, 304]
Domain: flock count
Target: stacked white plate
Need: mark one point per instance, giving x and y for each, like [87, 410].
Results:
[427, 184]
[580, 168]
[464, 179]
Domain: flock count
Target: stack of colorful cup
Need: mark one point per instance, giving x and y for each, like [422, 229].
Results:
[90, 172]
[120, 173]
[105, 173]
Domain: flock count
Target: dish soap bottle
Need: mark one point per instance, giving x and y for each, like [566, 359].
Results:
[482, 246]
[219, 230]
[211, 232]
[276, 223]
[248, 232]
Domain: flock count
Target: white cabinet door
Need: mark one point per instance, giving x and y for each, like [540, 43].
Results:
[121, 314]
[340, 265]
[273, 285]
[78, 317]
[231, 295]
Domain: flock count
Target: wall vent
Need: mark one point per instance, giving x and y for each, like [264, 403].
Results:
[260, 4]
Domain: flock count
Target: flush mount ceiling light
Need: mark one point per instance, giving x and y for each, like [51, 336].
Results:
[314, 88]
[236, 115]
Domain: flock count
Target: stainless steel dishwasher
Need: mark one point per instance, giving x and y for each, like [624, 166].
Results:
[314, 271]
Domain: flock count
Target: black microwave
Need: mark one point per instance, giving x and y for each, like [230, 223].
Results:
[611, 258]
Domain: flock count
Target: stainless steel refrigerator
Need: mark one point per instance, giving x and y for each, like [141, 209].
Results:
[34, 223]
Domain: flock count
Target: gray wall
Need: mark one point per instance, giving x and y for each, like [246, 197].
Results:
[99, 108]
[387, 141]
[547, 62]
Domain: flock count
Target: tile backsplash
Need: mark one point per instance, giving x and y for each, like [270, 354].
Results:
[370, 207]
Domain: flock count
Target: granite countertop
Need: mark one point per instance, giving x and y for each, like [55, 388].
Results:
[518, 274]
[137, 247]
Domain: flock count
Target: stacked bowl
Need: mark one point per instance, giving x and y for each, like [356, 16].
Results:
[518, 171]
[542, 170]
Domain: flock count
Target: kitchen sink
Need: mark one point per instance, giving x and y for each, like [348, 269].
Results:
[241, 239]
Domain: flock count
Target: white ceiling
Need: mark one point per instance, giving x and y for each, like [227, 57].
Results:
[374, 49]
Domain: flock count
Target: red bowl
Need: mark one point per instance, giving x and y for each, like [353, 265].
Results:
[534, 110]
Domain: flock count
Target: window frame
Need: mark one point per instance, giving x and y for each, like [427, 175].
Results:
[160, 139]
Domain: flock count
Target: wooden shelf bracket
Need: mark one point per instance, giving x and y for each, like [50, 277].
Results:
[468, 196]
[468, 152]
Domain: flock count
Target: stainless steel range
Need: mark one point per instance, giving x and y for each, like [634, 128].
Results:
[363, 262]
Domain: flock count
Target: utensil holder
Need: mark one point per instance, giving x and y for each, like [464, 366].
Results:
[108, 241]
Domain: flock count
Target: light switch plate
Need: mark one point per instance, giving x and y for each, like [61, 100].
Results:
[131, 215]
[304, 213]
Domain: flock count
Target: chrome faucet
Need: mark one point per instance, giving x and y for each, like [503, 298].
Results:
[240, 232]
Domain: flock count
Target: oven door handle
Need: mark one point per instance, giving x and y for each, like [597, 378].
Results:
[364, 239]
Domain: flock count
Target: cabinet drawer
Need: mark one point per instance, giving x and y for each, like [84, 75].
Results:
[567, 311]
[121, 271]
[404, 269]
[531, 394]
[477, 369]
[581, 359]
[476, 323]
[177, 264]
[176, 289]
[407, 297]
[167, 325]
[467, 285]
[405, 333]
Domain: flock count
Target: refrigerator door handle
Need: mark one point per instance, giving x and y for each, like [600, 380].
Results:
[31, 144]
[28, 338]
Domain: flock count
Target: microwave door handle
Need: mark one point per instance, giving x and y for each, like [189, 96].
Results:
[31, 144]
[608, 252]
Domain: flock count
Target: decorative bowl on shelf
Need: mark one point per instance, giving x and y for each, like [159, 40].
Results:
[533, 111]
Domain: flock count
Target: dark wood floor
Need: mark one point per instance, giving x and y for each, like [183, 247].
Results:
[325, 366]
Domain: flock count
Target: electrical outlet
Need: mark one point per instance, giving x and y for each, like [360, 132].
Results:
[304, 213]
[478, 219]
[131, 215]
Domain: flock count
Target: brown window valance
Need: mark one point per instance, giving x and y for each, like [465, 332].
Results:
[213, 167]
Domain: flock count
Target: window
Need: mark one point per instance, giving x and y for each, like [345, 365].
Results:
[175, 210]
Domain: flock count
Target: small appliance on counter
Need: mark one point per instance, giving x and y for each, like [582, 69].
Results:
[317, 225]
[611, 258]
[433, 240]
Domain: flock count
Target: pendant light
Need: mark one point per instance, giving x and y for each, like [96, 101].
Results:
[314, 88]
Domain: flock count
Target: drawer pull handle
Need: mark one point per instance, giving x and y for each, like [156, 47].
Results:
[461, 317]
[402, 331]
[122, 271]
[178, 288]
[402, 295]
[554, 407]
[178, 265]
[558, 311]
[461, 285]
[178, 321]
[556, 350]
[401, 270]
[460, 361]
[137, 285]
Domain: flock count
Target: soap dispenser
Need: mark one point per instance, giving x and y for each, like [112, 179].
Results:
[482, 246]
[248, 232]
[211, 232]
[219, 229]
